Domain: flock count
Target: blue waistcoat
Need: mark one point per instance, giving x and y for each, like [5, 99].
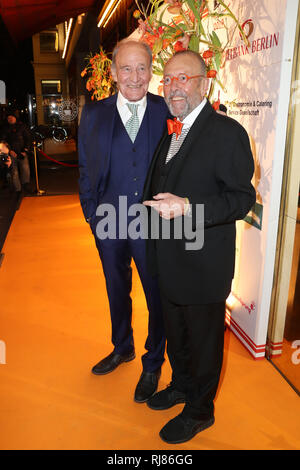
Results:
[129, 163]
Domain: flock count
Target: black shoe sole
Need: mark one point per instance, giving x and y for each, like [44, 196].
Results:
[204, 426]
[176, 402]
[131, 358]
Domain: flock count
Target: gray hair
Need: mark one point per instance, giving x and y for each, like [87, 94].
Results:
[126, 41]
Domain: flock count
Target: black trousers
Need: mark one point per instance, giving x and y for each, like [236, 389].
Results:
[195, 343]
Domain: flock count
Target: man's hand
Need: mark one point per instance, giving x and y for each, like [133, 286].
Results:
[13, 154]
[168, 205]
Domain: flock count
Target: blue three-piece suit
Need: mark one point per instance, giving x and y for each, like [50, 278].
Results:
[112, 166]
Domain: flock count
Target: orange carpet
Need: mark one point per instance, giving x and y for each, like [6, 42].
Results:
[54, 323]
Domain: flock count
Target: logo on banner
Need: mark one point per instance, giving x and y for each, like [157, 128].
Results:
[248, 28]
[254, 46]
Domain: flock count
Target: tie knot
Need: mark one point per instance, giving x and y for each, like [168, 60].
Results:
[132, 108]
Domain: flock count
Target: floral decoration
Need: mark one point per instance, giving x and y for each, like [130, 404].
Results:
[191, 24]
[100, 82]
[169, 26]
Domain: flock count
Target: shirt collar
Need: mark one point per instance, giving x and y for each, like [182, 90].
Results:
[188, 121]
[121, 101]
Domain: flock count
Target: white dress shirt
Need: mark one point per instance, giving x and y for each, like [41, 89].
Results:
[124, 111]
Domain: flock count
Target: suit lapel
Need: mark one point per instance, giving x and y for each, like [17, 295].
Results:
[150, 112]
[154, 124]
[104, 133]
[154, 128]
[147, 186]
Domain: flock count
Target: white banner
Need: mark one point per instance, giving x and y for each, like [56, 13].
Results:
[257, 82]
[257, 78]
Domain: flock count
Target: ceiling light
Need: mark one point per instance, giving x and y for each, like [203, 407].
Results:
[107, 12]
[67, 37]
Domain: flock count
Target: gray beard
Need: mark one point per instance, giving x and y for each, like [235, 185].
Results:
[187, 109]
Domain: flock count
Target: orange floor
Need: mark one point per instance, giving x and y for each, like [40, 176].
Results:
[54, 323]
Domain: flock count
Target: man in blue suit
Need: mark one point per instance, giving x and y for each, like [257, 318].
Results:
[117, 138]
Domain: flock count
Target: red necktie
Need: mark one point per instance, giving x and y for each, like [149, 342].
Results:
[174, 126]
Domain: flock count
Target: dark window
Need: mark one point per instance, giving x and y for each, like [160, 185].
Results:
[51, 87]
[49, 41]
[52, 98]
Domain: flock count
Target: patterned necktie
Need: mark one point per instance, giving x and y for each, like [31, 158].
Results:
[132, 125]
[176, 143]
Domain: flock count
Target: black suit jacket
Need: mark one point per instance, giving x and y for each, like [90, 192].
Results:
[214, 167]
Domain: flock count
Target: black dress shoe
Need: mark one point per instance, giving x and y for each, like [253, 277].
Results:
[146, 386]
[111, 362]
[166, 398]
[181, 429]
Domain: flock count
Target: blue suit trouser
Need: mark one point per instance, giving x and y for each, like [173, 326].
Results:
[116, 257]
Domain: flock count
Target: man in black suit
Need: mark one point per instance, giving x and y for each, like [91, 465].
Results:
[204, 160]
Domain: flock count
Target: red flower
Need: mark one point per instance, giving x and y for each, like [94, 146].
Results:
[207, 54]
[211, 74]
[178, 46]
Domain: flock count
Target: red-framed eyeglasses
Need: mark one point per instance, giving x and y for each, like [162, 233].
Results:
[182, 79]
